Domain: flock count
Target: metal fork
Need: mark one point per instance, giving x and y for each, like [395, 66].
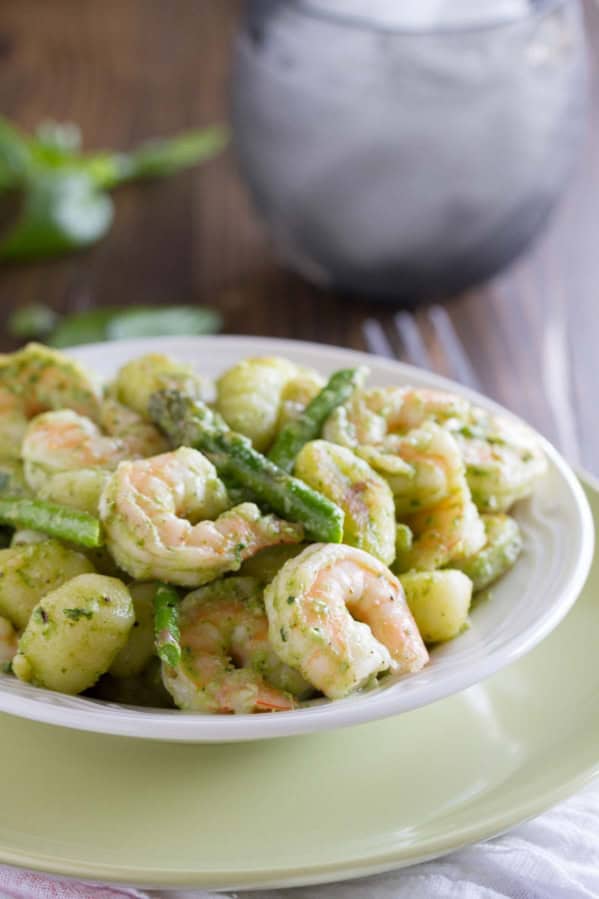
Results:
[413, 349]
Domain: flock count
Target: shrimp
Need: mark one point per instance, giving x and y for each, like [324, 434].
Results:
[67, 459]
[142, 509]
[227, 663]
[37, 379]
[352, 484]
[451, 527]
[503, 460]
[372, 417]
[9, 640]
[340, 617]
[383, 426]
[63, 441]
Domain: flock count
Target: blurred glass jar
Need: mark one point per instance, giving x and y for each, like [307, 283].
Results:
[404, 149]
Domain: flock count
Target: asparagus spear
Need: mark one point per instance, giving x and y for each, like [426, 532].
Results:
[49, 518]
[166, 624]
[188, 422]
[309, 424]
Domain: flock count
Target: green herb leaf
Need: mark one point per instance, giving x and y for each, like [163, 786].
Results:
[113, 323]
[30, 322]
[78, 614]
[65, 201]
[158, 158]
[164, 322]
[82, 327]
[62, 211]
[15, 158]
[57, 141]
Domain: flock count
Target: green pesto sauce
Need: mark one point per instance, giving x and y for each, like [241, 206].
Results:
[78, 614]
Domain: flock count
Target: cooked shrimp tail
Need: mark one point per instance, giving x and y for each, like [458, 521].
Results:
[340, 617]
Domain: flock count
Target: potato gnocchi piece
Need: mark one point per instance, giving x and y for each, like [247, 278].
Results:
[75, 633]
[258, 396]
[297, 393]
[139, 648]
[9, 640]
[12, 477]
[439, 602]
[139, 435]
[139, 379]
[30, 570]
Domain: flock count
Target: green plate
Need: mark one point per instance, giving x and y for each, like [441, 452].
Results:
[313, 808]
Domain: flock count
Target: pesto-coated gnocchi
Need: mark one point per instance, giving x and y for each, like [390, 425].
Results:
[29, 571]
[297, 393]
[139, 379]
[9, 639]
[12, 477]
[137, 652]
[439, 602]
[75, 633]
[258, 395]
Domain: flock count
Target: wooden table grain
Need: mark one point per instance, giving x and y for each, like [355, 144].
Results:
[126, 70]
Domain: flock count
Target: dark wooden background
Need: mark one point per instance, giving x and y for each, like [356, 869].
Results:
[126, 70]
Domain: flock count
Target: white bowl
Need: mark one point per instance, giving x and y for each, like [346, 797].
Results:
[525, 606]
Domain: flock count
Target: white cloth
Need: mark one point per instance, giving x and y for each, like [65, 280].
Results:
[554, 856]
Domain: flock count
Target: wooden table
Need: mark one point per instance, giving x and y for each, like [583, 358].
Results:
[126, 70]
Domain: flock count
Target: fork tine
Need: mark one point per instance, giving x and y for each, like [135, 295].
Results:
[452, 347]
[377, 341]
[411, 339]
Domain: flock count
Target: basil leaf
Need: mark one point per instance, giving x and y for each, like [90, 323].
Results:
[168, 321]
[113, 323]
[62, 210]
[30, 322]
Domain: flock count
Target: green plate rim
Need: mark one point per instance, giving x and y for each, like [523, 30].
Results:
[368, 864]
